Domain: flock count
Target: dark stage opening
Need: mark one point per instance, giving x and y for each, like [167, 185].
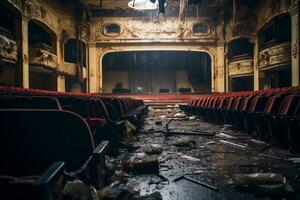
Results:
[156, 72]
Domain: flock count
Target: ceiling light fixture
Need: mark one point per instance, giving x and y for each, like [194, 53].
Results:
[144, 4]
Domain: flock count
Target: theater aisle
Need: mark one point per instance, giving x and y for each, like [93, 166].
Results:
[212, 159]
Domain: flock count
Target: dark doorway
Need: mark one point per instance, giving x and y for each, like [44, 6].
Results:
[244, 83]
[278, 77]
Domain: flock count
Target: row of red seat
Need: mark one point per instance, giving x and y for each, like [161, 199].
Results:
[271, 115]
[49, 135]
[94, 108]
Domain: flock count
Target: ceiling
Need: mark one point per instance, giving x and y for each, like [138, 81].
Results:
[123, 4]
[120, 8]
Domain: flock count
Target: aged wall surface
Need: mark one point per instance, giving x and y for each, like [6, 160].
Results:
[247, 22]
[59, 22]
[144, 34]
[140, 31]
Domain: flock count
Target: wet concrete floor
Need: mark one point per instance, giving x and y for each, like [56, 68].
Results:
[213, 160]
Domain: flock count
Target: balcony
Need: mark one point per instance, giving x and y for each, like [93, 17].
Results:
[241, 67]
[275, 56]
[8, 47]
[42, 55]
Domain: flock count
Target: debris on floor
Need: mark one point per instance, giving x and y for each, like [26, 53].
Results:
[177, 156]
[151, 149]
[78, 190]
[143, 165]
[263, 184]
[185, 142]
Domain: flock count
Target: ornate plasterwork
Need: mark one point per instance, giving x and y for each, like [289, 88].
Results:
[43, 58]
[69, 68]
[273, 8]
[133, 29]
[31, 9]
[275, 56]
[8, 49]
[241, 67]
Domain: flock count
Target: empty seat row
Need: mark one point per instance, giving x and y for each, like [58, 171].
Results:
[36, 143]
[270, 115]
[48, 135]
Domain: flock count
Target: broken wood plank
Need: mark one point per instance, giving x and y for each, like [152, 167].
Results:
[273, 157]
[202, 183]
[233, 144]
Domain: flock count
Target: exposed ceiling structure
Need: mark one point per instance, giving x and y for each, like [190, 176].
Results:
[120, 8]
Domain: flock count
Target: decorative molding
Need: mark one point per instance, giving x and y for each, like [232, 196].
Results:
[275, 56]
[104, 31]
[43, 58]
[146, 30]
[241, 67]
[69, 69]
[8, 49]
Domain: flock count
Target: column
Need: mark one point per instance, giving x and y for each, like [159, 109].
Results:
[61, 83]
[295, 45]
[93, 79]
[25, 53]
[60, 62]
[256, 74]
[220, 87]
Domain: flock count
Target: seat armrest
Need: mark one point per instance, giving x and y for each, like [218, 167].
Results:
[51, 174]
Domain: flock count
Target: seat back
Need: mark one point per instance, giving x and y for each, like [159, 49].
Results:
[31, 140]
[288, 105]
[81, 107]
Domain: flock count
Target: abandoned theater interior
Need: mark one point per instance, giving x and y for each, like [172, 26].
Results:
[149, 100]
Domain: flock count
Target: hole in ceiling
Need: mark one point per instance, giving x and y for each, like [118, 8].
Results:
[143, 4]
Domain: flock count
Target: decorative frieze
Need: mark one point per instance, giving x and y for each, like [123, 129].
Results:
[43, 58]
[8, 49]
[275, 56]
[241, 67]
[171, 29]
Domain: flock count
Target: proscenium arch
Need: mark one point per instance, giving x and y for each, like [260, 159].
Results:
[212, 59]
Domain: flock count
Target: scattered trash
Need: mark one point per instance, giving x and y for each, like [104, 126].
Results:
[263, 184]
[227, 127]
[273, 157]
[153, 196]
[117, 191]
[190, 158]
[197, 182]
[192, 118]
[117, 176]
[78, 190]
[185, 142]
[146, 164]
[259, 178]
[210, 143]
[128, 130]
[233, 144]
[153, 149]
[178, 115]
[225, 135]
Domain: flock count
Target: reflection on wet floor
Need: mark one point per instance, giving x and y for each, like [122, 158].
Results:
[203, 163]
